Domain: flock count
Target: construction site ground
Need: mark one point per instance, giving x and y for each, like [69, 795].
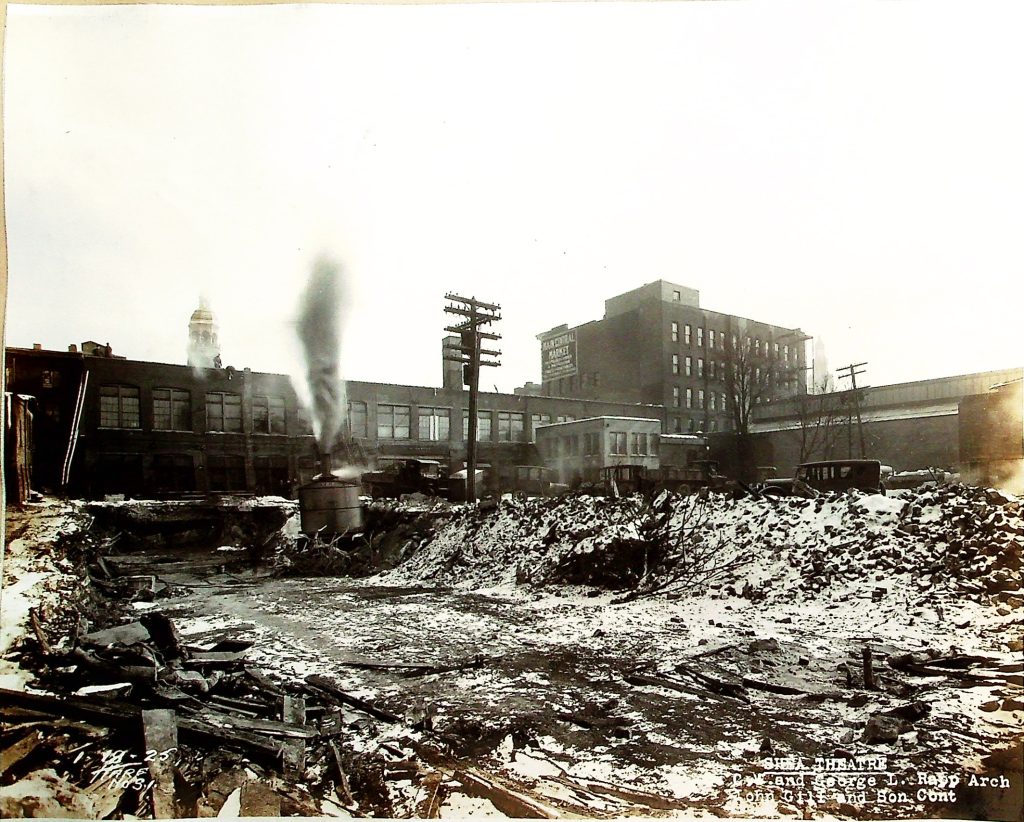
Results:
[865, 700]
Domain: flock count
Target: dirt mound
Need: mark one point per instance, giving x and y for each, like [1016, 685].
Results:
[956, 537]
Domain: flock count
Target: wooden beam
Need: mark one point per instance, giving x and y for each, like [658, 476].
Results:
[509, 802]
[14, 753]
[294, 752]
[324, 684]
[160, 734]
[111, 713]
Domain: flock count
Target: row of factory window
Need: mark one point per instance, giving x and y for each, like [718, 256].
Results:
[120, 407]
[620, 443]
[717, 339]
[394, 422]
[131, 473]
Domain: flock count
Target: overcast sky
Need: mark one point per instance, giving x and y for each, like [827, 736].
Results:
[854, 169]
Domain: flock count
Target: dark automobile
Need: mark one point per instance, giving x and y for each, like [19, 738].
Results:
[829, 475]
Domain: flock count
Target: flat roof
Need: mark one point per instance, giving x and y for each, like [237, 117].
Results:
[592, 419]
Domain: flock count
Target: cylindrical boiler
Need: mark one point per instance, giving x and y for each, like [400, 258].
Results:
[330, 506]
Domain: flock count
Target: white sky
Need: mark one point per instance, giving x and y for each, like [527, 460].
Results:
[854, 169]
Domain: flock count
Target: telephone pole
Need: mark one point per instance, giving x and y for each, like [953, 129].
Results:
[475, 314]
[851, 374]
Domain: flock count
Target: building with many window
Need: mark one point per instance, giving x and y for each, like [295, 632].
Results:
[110, 425]
[657, 345]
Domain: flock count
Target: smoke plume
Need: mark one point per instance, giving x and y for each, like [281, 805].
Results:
[319, 325]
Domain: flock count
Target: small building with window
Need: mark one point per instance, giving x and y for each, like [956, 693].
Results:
[577, 450]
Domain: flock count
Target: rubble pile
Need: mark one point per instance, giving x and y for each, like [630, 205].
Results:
[954, 538]
[572, 539]
[216, 731]
[392, 530]
[963, 539]
[112, 714]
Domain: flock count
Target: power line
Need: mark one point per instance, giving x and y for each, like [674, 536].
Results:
[852, 372]
[471, 355]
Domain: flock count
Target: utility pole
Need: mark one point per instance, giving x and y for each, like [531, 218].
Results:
[851, 374]
[476, 314]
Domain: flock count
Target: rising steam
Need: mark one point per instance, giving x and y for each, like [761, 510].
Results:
[319, 325]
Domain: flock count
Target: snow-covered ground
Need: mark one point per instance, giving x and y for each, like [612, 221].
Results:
[591, 703]
[34, 575]
[931, 571]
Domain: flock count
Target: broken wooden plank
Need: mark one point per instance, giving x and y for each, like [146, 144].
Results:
[411, 669]
[105, 568]
[258, 799]
[263, 681]
[294, 754]
[710, 650]
[505, 800]
[869, 672]
[13, 754]
[160, 734]
[112, 713]
[37, 628]
[585, 721]
[271, 727]
[426, 670]
[670, 684]
[620, 792]
[721, 682]
[911, 663]
[326, 685]
[245, 707]
[343, 790]
[230, 644]
[221, 658]
[773, 687]
[433, 787]
[331, 723]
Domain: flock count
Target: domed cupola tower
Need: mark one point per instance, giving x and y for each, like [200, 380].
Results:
[203, 348]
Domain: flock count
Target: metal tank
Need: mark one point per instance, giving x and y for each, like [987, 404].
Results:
[329, 505]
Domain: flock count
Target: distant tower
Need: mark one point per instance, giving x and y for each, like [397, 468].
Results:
[203, 348]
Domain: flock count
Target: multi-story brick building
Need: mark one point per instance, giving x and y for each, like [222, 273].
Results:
[657, 345]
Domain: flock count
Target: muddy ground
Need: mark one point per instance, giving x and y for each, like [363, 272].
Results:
[577, 703]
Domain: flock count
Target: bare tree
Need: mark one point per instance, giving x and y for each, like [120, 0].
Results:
[754, 377]
[683, 550]
[822, 416]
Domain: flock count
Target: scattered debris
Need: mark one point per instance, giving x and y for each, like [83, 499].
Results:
[808, 627]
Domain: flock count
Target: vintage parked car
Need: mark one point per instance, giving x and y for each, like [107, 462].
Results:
[408, 476]
[812, 478]
[537, 481]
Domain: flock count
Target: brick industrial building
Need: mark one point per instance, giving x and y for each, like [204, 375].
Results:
[104, 424]
[657, 345]
[97, 423]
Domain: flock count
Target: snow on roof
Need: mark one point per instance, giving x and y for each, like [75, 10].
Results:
[593, 419]
[943, 409]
